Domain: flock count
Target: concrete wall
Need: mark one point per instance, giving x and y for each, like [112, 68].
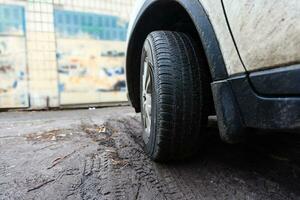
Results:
[62, 52]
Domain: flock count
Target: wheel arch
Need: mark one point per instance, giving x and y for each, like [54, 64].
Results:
[186, 16]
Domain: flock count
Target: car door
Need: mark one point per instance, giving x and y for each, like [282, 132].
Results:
[266, 32]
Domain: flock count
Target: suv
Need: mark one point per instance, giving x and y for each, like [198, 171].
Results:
[188, 59]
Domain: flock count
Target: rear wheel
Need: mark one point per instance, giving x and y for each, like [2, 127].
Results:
[174, 96]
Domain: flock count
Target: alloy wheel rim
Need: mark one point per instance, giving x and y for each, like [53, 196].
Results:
[146, 100]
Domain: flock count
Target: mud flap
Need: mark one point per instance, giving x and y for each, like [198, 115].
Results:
[231, 126]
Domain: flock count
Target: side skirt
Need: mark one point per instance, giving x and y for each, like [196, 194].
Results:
[239, 107]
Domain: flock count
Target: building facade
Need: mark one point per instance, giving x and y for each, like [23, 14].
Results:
[57, 53]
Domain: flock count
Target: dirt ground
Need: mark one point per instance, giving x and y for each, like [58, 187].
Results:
[97, 154]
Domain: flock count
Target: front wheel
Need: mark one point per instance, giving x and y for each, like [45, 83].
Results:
[174, 96]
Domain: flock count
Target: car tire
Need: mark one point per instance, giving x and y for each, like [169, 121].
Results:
[174, 95]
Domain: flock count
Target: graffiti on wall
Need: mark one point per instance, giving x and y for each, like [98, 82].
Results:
[90, 56]
[88, 65]
[13, 83]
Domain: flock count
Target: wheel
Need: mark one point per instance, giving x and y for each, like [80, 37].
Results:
[174, 96]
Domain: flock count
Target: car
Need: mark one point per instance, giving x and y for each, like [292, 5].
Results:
[190, 59]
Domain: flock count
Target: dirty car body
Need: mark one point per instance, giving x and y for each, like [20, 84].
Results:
[251, 50]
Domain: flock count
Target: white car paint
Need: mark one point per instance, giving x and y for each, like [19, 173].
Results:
[267, 32]
[216, 15]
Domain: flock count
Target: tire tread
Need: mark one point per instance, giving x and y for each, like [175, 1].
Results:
[181, 84]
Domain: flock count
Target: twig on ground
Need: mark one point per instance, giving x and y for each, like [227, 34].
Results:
[40, 185]
[58, 160]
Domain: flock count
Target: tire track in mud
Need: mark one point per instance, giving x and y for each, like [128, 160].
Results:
[110, 178]
[97, 180]
[119, 169]
[124, 171]
[201, 178]
[158, 180]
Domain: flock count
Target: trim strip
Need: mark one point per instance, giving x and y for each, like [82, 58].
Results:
[283, 81]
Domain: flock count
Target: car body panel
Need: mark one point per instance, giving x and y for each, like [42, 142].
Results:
[267, 33]
[217, 18]
[216, 15]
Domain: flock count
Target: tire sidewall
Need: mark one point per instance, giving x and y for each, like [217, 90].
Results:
[147, 52]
